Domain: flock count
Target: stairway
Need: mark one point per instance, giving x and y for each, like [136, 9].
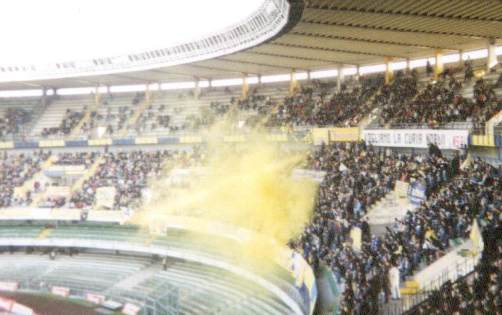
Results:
[87, 118]
[44, 233]
[137, 114]
[394, 205]
[28, 185]
[373, 115]
[56, 111]
[136, 278]
[90, 172]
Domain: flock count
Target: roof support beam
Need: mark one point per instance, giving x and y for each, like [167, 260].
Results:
[408, 30]
[138, 80]
[362, 40]
[32, 85]
[399, 14]
[189, 76]
[212, 68]
[259, 63]
[354, 52]
[296, 57]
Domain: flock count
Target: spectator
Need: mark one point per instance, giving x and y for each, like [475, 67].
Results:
[70, 121]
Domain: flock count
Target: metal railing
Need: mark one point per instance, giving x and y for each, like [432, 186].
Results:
[148, 305]
[451, 273]
[463, 125]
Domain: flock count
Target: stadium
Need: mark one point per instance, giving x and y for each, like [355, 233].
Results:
[282, 157]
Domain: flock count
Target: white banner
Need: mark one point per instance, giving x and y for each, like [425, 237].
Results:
[401, 189]
[61, 291]
[19, 309]
[6, 304]
[13, 308]
[131, 309]
[317, 176]
[67, 169]
[105, 197]
[95, 298]
[58, 191]
[417, 138]
[8, 286]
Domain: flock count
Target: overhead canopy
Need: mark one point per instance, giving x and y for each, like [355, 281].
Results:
[337, 32]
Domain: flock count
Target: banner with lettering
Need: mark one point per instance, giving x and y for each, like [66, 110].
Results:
[417, 192]
[417, 138]
[105, 197]
[317, 176]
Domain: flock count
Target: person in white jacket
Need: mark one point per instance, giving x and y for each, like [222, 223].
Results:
[394, 282]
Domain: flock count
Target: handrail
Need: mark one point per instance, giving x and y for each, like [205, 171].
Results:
[429, 293]
[459, 271]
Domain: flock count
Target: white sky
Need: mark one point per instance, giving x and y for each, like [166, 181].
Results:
[42, 31]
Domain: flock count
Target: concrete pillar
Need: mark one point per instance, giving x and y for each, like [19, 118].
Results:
[460, 60]
[293, 83]
[148, 93]
[492, 56]
[97, 97]
[389, 72]
[339, 78]
[44, 97]
[196, 89]
[245, 86]
[438, 67]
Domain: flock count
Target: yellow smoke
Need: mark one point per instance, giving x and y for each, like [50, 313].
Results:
[247, 185]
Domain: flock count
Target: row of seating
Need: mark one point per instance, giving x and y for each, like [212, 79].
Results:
[169, 112]
[192, 287]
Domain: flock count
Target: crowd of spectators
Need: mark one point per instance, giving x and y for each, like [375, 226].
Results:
[477, 293]
[313, 107]
[357, 176]
[127, 172]
[402, 102]
[153, 118]
[15, 169]
[440, 103]
[113, 120]
[13, 121]
[76, 158]
[70, 121]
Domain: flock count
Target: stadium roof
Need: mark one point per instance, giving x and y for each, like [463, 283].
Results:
[326, 33]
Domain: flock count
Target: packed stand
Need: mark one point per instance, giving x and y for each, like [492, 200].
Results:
[128, 172]
[477, 293]
[439, 103]
[15, 170]
[486, 102]
[253, 107]
[76, 158]
[357, 176]
[13, 121]
[82, 159]
[70, 121]
[345, 108]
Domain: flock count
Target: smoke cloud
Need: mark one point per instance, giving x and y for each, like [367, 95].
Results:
[246, 185]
